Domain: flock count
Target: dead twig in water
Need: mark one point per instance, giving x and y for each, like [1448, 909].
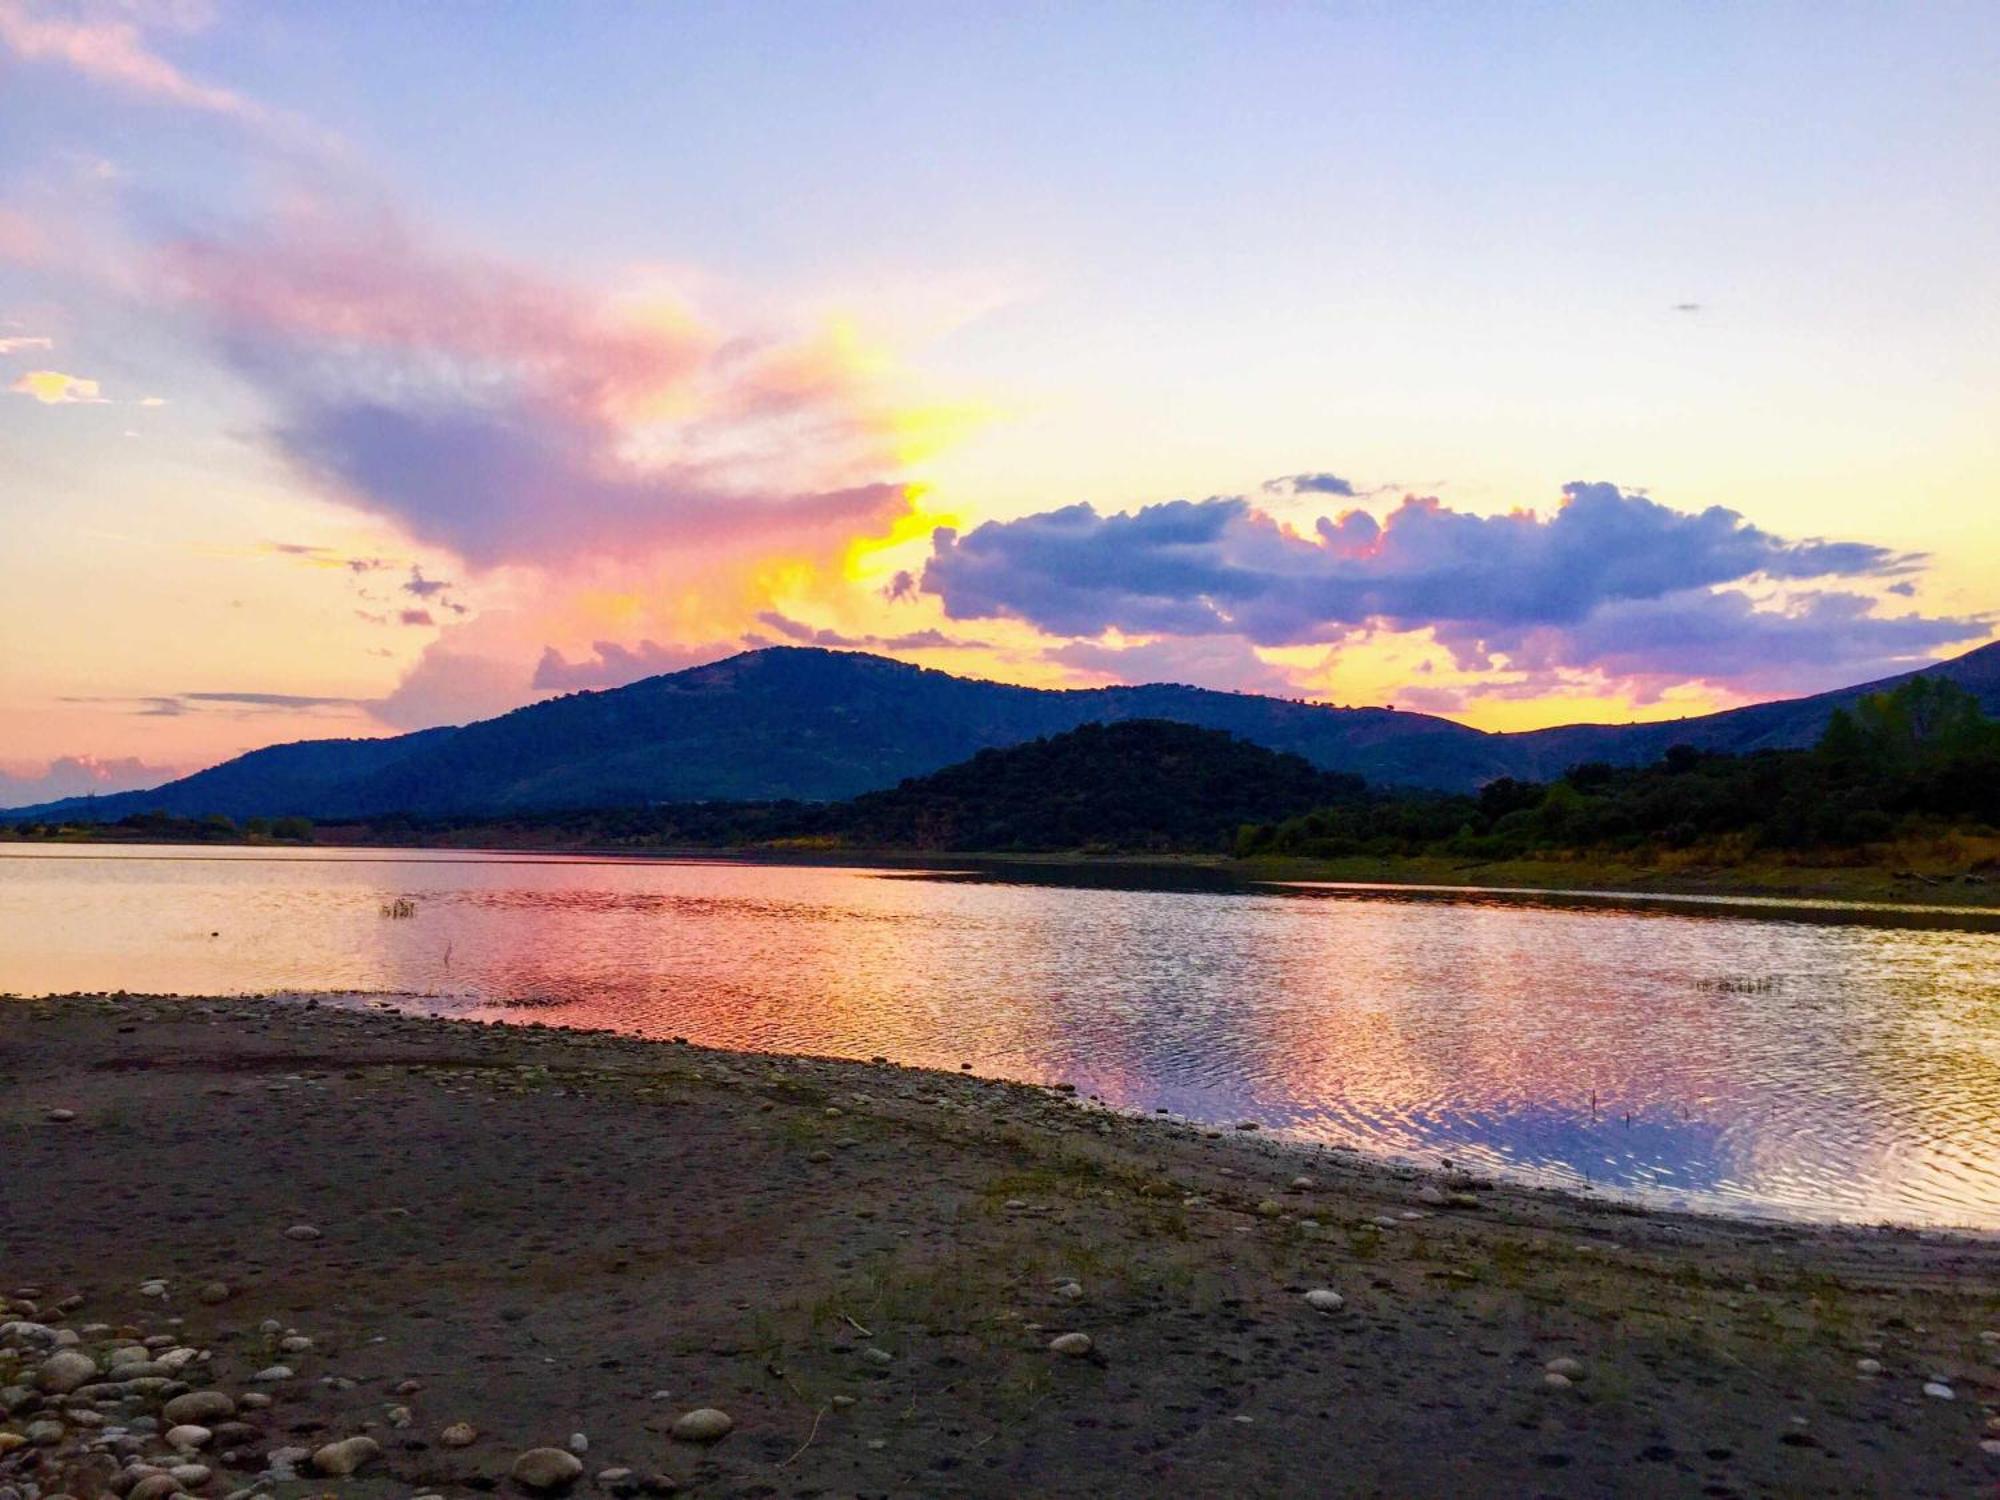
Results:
[856, 1326]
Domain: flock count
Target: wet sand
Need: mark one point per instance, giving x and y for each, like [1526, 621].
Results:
[542, 1233]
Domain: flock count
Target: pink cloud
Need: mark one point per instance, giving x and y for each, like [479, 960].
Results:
[114, 53]
[514, 419]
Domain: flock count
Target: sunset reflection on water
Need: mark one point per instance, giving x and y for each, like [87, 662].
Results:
[1808, 1068]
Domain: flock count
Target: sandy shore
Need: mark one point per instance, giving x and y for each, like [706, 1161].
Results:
[542, 1234]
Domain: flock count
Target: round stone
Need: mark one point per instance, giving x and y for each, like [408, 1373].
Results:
[64, 1371]
[704, 1425]
[459, 1435]
[188, 1437]
[1564, 1366]
[213, 1292]
[346, 1456]
[154, 1487]
[1939, 1391]
[547, 1469]
[201, 1407]
[1075, 1345]
[302, 1232]
[61, 1116]
[1325, 1299]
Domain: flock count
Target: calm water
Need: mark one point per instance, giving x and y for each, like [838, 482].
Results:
[1757, 1063]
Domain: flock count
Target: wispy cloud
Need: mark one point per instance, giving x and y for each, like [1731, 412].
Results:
[173, 705]
[114, 53]
[1310, 484]
[28, 341]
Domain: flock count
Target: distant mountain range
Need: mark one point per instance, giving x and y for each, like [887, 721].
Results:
[818, 725]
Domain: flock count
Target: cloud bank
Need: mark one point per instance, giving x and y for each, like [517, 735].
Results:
[80, 776]
[1611, 580]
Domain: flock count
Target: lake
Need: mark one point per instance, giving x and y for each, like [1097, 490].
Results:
[1821, 1063]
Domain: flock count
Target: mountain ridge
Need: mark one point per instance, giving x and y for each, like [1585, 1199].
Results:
[821, 725]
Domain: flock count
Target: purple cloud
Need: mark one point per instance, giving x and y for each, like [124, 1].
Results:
[79, 776]
[1310, 484]
[1619, 577]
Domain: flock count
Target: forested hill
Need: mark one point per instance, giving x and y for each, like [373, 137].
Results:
[1139, 785]
[818, 725]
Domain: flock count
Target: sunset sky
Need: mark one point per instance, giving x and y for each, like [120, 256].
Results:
[365, 367]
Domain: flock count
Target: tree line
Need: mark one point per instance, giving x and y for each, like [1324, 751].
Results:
[1919, 758]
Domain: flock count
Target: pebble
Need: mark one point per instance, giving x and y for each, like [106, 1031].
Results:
[1563, 1365]
[1075, 1345]
[154, 1487]
[189, 1437]
[1325, 1299]
[703, 1425]
[1868, 1366]
[613, 1476]
[194, 1476]
[213, 1292]
[302, 1232]
[63, 1372]
[43, 1434]
[61, 1116]
[1938, 1390]
[272, 1374]
[1557, 1382]
[346, 1456]
[547, 1469]
[459, 1435]
[1070, 1291]
[878, 1356]
[579, 1443]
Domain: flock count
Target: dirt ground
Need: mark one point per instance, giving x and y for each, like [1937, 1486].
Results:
[547, 1233]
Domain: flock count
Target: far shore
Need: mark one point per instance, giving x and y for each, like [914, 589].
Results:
[1764, 879]
[461, 1241]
